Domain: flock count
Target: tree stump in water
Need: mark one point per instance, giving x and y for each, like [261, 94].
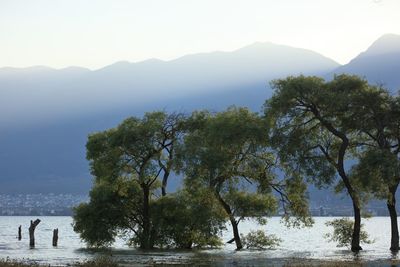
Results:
[19, 233]
[32, 232]
[55, 237]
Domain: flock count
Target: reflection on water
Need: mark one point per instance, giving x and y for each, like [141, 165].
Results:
[302, 243]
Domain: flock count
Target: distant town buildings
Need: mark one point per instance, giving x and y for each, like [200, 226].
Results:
[39, 204]
[341, 206]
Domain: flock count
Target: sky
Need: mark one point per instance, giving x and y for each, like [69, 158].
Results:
[96, 33]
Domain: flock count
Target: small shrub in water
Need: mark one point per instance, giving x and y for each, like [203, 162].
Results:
[259, 240]
[342, 232]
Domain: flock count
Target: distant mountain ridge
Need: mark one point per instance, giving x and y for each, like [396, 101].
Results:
[380, 63]
[386, 44]
[52, 93]
[46, 114]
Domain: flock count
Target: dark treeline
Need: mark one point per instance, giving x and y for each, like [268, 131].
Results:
[238, 164]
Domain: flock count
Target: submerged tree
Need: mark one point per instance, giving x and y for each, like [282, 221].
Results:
[133, 157]
[378, 169]
[310, 128]
[228, 153]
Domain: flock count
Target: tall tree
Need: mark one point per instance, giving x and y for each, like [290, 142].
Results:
[139, 152]
[228, 152]
[310, 129]
[378, 169]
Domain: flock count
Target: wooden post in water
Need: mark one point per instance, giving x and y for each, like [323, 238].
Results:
[55, 237]
[19, 233]
[32, 232]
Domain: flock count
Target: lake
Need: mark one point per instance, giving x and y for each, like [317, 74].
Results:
[301, 243]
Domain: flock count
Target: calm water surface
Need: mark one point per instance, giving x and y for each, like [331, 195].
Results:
[306, 243]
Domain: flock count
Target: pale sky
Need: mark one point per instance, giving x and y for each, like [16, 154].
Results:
[96, 33]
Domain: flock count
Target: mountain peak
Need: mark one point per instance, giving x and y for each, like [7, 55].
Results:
[388, 43]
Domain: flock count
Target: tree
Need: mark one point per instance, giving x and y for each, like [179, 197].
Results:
[135, 155]
[309, 121]
[378, 169]
[228, 153]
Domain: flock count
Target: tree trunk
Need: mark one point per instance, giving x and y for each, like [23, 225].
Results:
[32, 232]
[19, 233]
[55, 237]
[236, 235]
[355, 241]
[391, 204]
[146, 237]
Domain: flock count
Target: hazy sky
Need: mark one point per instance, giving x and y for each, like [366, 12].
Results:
[95, 33]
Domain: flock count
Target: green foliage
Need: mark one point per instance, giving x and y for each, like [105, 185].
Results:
[226, 151]
[187, 219]
[251, 205]
[229, 153]
[321, 129]
[377, 172]
[295, 202]
[138, 149]
[127, 163]
[260, 240]
[309, 120]
[240, 165]
[342, 232]
[111, 205]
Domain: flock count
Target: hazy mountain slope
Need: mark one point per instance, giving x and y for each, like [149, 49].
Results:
[46, 114]
[380, 63]
[40, 94]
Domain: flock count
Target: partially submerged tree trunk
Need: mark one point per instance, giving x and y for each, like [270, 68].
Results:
[234, 222]
[355, 238]
[55, 237]
[236, 235]
[19, 233]
[32, 228]
[391, 204]
[355, 241]
[146, 234]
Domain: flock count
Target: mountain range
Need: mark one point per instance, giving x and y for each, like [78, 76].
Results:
[46, 114]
